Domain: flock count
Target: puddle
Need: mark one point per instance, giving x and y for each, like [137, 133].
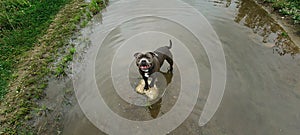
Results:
[262, 89]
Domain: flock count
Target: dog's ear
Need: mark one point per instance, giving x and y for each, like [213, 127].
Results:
[137, 54]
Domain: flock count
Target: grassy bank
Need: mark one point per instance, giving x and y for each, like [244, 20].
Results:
[32, 33]
[22, 22]
[289, 8]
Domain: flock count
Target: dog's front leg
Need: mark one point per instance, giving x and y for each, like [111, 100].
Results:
[146, 87]
[153, 76]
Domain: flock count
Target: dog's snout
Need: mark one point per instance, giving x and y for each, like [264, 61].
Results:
[143, 62]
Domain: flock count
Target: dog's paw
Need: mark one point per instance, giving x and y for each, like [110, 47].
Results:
[140, 91]
[140, 87]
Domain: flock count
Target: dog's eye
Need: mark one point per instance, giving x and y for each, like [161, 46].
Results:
[148, 56]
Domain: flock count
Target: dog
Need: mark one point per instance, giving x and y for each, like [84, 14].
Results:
[151, 62]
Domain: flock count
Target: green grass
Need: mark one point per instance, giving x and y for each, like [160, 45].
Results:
[32, 33]
[22, 22]
[62, 65]
[289, 8]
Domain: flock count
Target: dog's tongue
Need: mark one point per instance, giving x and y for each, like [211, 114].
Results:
[144, 67]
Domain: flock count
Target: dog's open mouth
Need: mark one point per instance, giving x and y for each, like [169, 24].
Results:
[144, 67]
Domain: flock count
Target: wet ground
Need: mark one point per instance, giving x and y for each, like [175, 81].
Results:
[262, 93]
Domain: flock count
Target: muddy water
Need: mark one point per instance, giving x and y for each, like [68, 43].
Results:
[262, 94]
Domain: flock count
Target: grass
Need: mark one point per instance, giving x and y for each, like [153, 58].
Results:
[22, 22]
[62, 65]
[32, 33]
[289, 8]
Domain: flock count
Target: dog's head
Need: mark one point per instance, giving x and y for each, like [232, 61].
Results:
[144, 61]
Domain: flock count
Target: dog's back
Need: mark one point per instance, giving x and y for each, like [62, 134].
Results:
[165, 50]
[164, 53]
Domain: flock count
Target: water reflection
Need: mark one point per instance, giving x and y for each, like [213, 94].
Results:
[226, 3]
[154, 109]
[271, 34]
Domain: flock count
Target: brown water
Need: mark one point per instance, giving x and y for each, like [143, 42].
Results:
[262, 94]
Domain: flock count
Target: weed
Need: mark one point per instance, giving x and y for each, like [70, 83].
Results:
[60, 69]
[284, 34]
[290, 8]
[83, 23]
[96, 5]
[72, 50]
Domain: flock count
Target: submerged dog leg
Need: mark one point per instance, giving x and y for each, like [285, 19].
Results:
[170, 61]
[153, 76]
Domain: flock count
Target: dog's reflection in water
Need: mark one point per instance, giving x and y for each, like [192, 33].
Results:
[154, 109]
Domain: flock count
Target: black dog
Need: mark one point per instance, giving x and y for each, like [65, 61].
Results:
[150, 62]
